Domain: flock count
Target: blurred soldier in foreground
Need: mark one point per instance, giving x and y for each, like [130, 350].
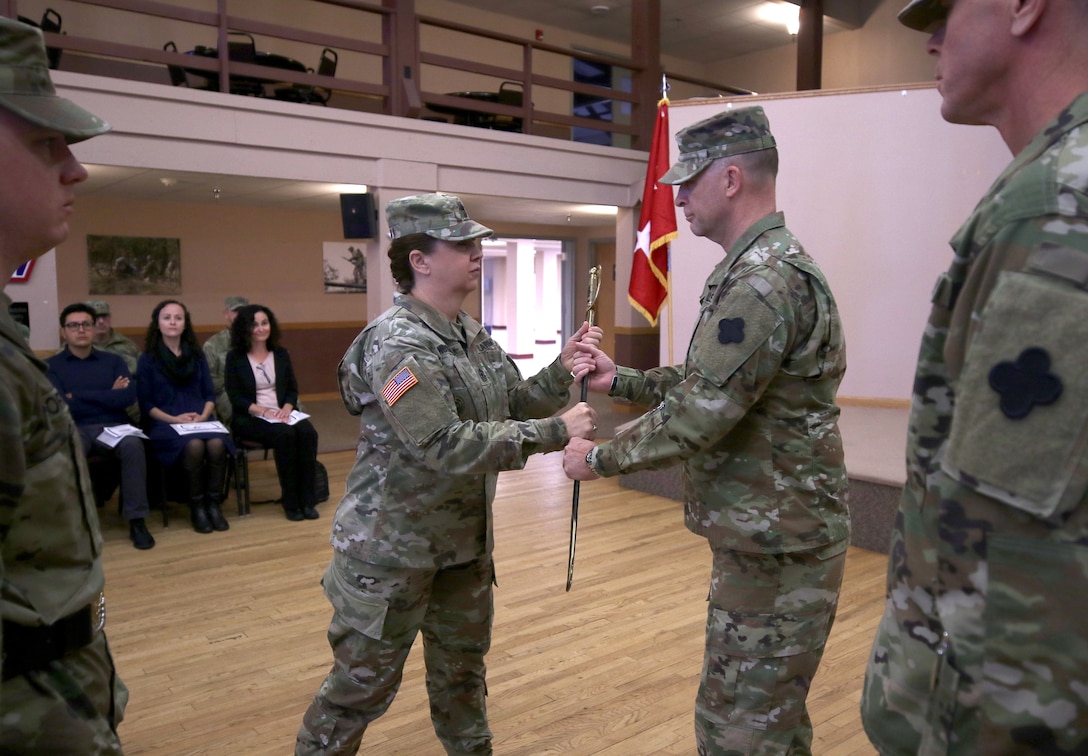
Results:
[59, 692]
[751, 414]
[983, 647]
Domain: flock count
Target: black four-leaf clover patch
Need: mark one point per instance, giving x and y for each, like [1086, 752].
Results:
[1025, 382]
[731, 330]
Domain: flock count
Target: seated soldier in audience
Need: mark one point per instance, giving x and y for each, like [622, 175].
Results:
[98, 388]
[215, 352]
[108, 340]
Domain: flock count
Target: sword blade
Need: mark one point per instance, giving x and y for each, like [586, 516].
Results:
[573, 534]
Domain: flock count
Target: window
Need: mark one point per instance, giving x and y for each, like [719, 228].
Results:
[600, 108]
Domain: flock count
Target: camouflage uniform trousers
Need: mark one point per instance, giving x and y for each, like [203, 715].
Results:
[378, 610]
[769, 616]
[73, 705]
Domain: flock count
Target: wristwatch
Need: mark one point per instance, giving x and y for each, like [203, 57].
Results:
[591, 459]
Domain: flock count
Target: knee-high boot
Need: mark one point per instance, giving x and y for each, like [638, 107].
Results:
[199, 514]
[217, 473]
[193, 477]
[215, 513]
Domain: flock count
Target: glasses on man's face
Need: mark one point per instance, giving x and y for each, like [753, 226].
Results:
[82, 325]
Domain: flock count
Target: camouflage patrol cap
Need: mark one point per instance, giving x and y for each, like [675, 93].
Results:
[440, 216]
[729, 133]
[233, 303]
[99, 307]
[27, 91]
[925, 15]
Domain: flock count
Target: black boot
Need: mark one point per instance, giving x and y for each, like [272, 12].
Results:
[199, 514]
[215, 514]
[138, 532]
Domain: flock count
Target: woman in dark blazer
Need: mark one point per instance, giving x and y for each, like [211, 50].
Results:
[263, 392]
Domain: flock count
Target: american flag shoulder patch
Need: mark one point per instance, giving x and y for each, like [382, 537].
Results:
[398, 385]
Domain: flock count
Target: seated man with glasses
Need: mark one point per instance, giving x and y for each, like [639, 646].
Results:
[98, 388]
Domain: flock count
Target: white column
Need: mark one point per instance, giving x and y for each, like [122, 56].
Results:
[626, 315]
[549, 306]
[521, 305]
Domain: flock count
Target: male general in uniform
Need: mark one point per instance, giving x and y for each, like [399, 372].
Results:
[751, 414]
[59, 691]
[983, 646]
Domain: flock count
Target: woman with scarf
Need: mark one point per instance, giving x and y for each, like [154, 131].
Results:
[174, 386]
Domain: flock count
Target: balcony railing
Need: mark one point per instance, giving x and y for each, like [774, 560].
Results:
[390, 61]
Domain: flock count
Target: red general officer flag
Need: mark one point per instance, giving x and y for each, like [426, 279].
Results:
[656, 227]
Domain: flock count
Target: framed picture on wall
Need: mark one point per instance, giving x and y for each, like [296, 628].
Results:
[133, 265]
[344, 266]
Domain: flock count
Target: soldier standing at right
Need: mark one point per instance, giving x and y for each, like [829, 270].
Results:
[59, 691]
[983, 647]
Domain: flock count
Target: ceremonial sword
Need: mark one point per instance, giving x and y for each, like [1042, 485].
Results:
[591, 316]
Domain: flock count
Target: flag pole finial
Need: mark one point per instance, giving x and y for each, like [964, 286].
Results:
[664, 86]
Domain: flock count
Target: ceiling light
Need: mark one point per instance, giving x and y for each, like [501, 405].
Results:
[596, 209]
[786, 14]
[167, 181]
[599, 10]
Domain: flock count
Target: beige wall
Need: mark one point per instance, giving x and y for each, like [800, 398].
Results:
[874, 184]
[271, 256]
[882, 52]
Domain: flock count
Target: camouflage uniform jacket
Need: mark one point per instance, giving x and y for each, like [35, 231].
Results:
[752, 410]
[122, 346]
[983, 647]
[49, 535]
[424, 478]
[215, 352]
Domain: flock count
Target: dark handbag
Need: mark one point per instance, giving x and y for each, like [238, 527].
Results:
[321, 482]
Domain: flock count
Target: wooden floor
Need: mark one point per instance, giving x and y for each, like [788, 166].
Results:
[221, 637]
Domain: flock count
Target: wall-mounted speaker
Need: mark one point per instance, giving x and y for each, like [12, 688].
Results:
[358, 215]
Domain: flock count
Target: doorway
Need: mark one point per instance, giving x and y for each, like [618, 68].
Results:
[525, 297]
